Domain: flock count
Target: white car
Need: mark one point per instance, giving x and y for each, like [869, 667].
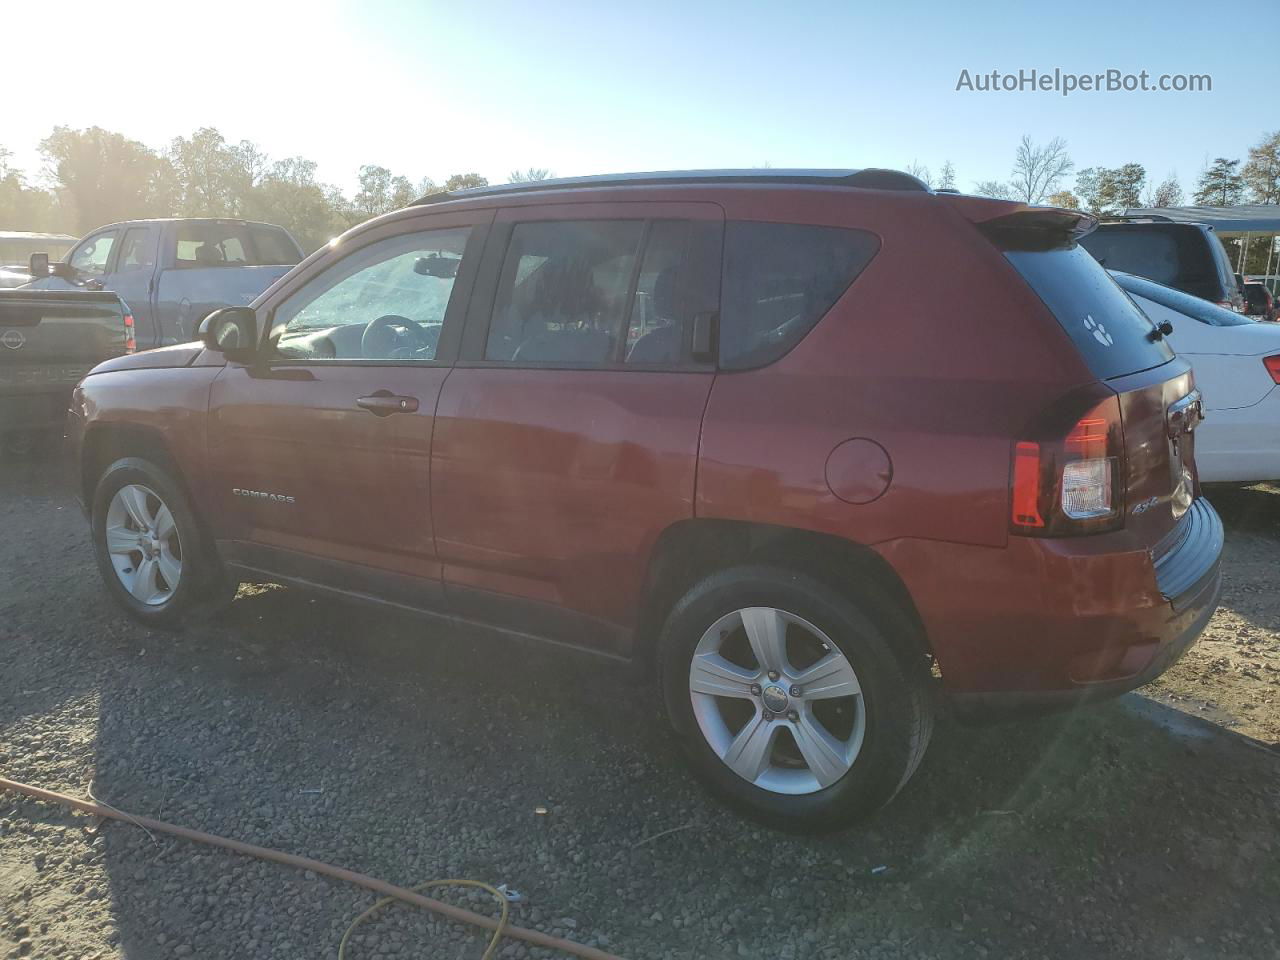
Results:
[1237, 368]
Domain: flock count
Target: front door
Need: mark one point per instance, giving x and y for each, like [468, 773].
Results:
[320, 450]
[567, 434]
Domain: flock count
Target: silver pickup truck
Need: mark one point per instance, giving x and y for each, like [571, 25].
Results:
[173, 273]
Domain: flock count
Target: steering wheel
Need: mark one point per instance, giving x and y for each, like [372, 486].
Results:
[382, 338]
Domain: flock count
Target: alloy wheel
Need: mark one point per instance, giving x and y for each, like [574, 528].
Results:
[142, 541]
[777, 701]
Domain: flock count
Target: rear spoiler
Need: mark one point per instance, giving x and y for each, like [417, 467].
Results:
[1021, 226]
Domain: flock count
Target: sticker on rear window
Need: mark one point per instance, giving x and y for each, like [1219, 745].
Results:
[1098, 330]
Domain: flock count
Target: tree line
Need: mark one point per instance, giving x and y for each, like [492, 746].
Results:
[96, 176]
[1040, 172]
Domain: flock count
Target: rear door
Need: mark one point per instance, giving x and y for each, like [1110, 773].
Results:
[567, 434]
[133, 279]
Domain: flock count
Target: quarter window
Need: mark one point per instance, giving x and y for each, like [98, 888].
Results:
[779, 280]
[385, 302]
[90, 258]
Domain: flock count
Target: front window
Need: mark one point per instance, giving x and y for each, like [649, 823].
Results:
[90, 258]
[384, 302]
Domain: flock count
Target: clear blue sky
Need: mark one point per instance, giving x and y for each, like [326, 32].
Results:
[433, 88]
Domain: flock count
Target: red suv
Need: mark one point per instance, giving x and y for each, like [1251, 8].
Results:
[708, 421]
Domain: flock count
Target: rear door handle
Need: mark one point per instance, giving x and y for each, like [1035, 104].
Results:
[384, 403]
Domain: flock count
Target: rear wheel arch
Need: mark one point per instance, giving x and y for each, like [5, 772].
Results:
[690, 550]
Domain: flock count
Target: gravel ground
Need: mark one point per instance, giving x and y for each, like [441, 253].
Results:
[372, 741]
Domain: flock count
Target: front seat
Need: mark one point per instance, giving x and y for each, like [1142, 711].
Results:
[208, 254]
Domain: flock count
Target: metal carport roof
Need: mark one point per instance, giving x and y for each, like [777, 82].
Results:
[1249, 218]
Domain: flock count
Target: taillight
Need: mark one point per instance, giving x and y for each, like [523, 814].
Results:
[130, 339]
[1273, 366]
[1066, 472]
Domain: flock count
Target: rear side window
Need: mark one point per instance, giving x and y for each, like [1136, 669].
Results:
[779, 280]
[1170, 254]
[137, 250]
[1109, 330]
[563, 293]
[215, 244]
[1184, 303]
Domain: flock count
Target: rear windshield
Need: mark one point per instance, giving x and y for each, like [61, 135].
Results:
[1172, 254]
[1184, 303]
[234, 245]
[1112, 334]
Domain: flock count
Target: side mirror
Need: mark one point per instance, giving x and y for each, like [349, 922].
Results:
[232, 331]
[39, 266]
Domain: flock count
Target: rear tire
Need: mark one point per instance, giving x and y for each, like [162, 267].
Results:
[828, 735]
[151, 551]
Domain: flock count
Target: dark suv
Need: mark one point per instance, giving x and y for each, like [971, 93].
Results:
[1186, 256]
[705, 421]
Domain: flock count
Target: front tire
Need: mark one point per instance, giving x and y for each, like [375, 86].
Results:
[791, 703]
[152, 554]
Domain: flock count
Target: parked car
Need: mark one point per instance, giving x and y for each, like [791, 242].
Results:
[704, 421]
[1258, 302]
[172, 273]
[48, 342]
[1185, 256]
[1237, 364]
[17, 247]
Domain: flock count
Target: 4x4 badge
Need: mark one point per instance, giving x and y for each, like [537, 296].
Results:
[13, 340]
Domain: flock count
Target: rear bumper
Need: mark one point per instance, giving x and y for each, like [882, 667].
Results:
[1049, 623]
[1186, 628]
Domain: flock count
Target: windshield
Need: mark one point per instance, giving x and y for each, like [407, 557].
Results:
[1184, 303]
[1167, 253]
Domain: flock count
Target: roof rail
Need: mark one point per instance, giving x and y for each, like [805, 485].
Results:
[1136, 218]
[871, 178]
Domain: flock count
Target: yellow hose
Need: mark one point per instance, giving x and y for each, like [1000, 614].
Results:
[493, 941]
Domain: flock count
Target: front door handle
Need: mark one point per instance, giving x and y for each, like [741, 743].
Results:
[384, 403]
